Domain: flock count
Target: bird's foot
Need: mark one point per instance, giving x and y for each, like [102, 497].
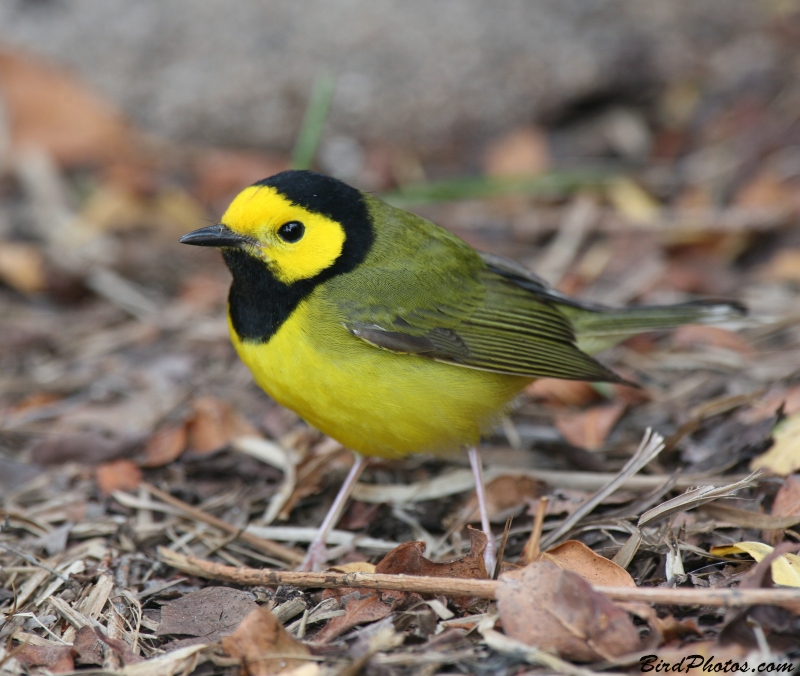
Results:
[316, 557]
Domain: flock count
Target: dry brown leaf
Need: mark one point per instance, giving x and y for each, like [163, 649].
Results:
[118, 475]
[557, 610]
[119, 646]
[57, 659]
[258, 638]
[697, 334]
[563, 392]
[523, 151]
[87, 647]
[34, 401]
[89, 448]
[358, 610]
[208, 613]
[213, 424]
[589, 429]
[787, 500]
[408, 559]
[503, 494]
[776, 398]
[49, 108]
[164, 446]
[783, 457]
[784, 266]
[577, 557]
[766, 191]
[355, 567]
[671, 628]
[693, 200]
[22, 267]
[359, 515]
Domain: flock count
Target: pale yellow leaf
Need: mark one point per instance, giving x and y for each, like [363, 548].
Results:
[355, 567]
[22, 267]
[783, 457]
[785, 569]
[633, 202]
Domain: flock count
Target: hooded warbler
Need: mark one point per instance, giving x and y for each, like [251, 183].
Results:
[389, 333]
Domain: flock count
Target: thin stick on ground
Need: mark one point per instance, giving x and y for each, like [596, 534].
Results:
[267, 546]
[531, 550]
[501, 552]
[451, 586]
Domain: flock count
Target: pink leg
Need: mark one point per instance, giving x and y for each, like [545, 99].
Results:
[489, 555]
[316, 556]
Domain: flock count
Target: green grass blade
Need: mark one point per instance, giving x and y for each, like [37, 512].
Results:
[307, 142]
[553, 182]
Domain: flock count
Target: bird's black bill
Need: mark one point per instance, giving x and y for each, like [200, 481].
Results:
[213, 235]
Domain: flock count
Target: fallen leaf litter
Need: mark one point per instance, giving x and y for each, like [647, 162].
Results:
[138, 462]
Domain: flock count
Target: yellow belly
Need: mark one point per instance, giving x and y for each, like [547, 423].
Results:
[375, 402]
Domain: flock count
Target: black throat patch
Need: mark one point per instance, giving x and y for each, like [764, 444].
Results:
[258, 302]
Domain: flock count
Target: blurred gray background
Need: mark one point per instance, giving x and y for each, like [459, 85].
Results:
[427, 74]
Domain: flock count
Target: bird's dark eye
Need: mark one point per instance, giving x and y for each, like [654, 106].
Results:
[291, 231]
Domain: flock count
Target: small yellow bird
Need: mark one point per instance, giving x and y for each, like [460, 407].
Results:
[392, 335]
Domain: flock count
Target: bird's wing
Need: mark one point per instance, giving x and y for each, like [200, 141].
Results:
[450, 306]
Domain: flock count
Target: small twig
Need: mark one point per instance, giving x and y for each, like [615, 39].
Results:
[576, 224]
[498, 564]
[531, 550]
[451, 586]
[33, 561]
[262, 545]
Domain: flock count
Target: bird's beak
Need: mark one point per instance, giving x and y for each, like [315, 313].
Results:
[214, 235]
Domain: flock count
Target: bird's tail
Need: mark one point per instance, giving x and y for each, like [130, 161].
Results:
[599, 328]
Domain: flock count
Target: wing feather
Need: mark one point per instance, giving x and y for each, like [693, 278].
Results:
[443, 301]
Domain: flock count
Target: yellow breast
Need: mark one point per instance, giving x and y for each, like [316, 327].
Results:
[375, 402]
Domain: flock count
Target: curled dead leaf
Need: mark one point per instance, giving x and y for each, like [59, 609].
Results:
[50, 108]
[557, 610]
[575, 556]
[589, 429]
[359, 609]
[562, 392]
[118, 475]
[22, 267]
[408, 559]
[87, 648]
[787, 500]
[522, 152]
[263, 646]
[164, 446]
[213, 424]
[503, 494]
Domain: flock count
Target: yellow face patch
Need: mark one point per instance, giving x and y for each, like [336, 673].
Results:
[259, 212]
